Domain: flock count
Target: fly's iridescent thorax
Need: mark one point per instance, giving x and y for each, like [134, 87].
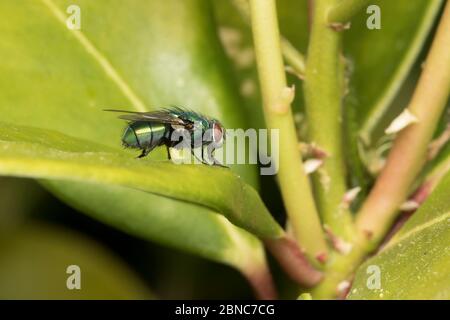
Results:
[191, 116]
[199, 125]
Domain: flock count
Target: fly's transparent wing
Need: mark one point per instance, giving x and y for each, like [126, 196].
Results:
[161, 116]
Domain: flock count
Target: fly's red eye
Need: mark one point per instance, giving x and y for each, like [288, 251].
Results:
[218, 132]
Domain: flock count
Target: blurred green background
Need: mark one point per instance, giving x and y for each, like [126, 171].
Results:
[40, 236]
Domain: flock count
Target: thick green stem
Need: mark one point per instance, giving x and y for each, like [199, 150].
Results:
[294, 184]
[261, 281]
[337, 274]
[292, 56]
[404, 163]
[323, 96]
[344, 10]
[293, 261]
[409, 152]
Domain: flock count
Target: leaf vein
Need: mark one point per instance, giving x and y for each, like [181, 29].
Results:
[104, 63]
[417, 229]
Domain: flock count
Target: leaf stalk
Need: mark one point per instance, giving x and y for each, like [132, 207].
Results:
[343, 11]
[296, 192]
[324, 90]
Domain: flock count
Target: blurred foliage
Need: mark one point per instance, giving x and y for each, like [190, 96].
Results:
[34, 261]
[142, 55]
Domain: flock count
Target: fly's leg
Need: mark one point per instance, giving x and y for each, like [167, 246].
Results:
[202, 154]
[201, 160]
[168, 153]
[210, 151]
[144, 153]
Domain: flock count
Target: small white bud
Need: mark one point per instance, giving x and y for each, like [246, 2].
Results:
[409, 205]
[401, 122]
[311, 165]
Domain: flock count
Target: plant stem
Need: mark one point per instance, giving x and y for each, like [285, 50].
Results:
[262, 283]
[292, 56]
[293, 261]
[404, 162]
[409, 152]
[344, 10]
[337, 271]
[323, 87]
[294, 184]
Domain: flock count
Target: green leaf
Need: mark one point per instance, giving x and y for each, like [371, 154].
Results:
[34, 261]
[153, 62]
[137, 56]
[41, 153]
[44, 154]
[415, 264]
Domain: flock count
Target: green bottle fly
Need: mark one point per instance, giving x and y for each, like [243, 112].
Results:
[174, 128]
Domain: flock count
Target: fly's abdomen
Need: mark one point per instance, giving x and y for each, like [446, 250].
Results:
[144, 135]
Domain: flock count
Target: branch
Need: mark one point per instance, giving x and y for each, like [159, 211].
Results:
[262, 282]
[409, 152]
[405, 161]
[291, 55]
[345, 10]
[293, 58]
[293, 261]
[338, 274]
[294, 184]
[324, 90]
